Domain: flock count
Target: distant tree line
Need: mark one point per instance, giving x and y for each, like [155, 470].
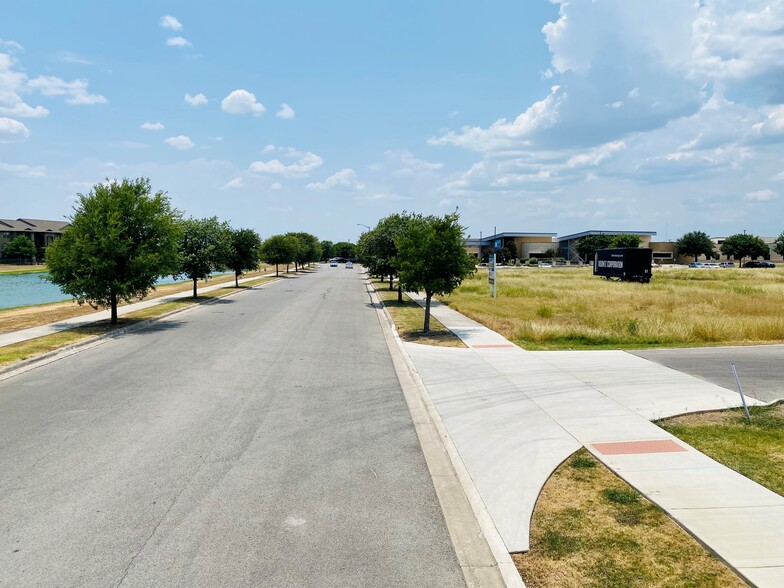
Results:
[123, 238]
[588, 246]
[738, 246]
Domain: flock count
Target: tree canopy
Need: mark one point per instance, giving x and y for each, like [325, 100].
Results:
[20, 247]
[432, 257]
[205, 247]
[695, 243]
[121, 241]
[778, 244]
[326, 250]
[243, 253]
[278, 249]
[743, 245]
[307, 249]
[626, 240]
[344, 249]
[377, 249]
[587, 246]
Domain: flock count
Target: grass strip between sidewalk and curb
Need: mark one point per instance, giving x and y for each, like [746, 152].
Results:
[12, 355]
[591, 529]
[409, 318]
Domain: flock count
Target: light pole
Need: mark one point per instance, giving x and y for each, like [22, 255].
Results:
[361, 225]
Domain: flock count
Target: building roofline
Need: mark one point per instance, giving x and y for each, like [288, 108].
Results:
[587, 233]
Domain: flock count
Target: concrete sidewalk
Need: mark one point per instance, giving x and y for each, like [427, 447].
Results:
[101, 315]
[514, 416]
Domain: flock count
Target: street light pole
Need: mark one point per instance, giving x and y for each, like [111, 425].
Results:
[361, 225]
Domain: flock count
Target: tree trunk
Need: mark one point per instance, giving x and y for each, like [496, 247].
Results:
[428, 298]
[399, 292]
[236, 279]
[194, 286]
[114, 308]
[276, 270]
[287, 267]
[391, 275]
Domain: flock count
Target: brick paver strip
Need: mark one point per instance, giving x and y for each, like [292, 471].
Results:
[493, 346]
[632, 447]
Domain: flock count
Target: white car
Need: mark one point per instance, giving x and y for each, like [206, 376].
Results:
[349, 265]
[333, 263]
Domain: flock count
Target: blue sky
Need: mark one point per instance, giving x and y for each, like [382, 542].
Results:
[532, 115]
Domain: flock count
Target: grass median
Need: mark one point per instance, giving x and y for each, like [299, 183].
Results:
[10, 354]
[682, 307]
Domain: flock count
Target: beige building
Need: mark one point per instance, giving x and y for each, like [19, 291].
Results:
[526, 244]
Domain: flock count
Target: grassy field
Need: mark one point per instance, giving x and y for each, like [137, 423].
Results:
[754, 449]
[591, 529]
[682, 307]
[6, 268]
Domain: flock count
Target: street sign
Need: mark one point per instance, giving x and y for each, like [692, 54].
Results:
[491, 274]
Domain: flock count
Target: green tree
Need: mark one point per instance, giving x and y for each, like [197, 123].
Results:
[743, 245]
[626, 240]
[344, 249]
[121, 241]
[278, 249]
[695, 243]
[432, 257]
[507, 253]
[376, 248]
[244, 252]
[307, 251]
[326, 250]
[21, 247]
[587, 246]
[205, 247]
[778, 244]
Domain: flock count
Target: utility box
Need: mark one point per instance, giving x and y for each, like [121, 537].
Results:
[627, 264]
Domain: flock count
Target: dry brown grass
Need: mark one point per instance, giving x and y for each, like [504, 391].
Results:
[572, 309]
[591, 529]
[409, 319]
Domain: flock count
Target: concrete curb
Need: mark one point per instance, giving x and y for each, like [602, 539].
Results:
[26, 365]
[481, 552]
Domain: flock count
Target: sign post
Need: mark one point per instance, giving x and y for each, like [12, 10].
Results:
[491, 274]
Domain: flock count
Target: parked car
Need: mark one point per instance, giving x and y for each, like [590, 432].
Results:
[727, 264]
[545, 264]
[759, 264]
[711, 265]
[697, 264]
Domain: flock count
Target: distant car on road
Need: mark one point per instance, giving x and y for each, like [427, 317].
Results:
[697, 264]
[727, 264]
[333, 263]
[759, 264]
[349, 265]
[545, 264]
[711, 265]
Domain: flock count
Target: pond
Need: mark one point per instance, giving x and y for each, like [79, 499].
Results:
[31, 289]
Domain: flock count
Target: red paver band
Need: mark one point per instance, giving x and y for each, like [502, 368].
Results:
[633, 447]
[493, 346]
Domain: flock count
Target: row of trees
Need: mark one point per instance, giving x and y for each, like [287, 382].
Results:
[696, 243]
[123, 239]
[425, 253]
[587, 246]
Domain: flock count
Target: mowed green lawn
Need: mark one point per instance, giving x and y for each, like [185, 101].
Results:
[569, 308]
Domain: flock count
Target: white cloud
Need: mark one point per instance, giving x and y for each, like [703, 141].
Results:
[345, 179]
[180, 142]
[387, 197]
[169, 22]
[268, 148]
[69, 57]
[152, 126]
[276, 186]
[761, 195]
[407, 164]
[196, 100]
[242, 102]
[307, 163]
[234, 184]
[286, 112]
[11, 129]
[24, 171]
[779, 177]
[178, 42]
[76, 91]
[13, 82]
[11, 45]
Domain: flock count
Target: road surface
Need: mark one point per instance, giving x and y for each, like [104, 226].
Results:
[259, 441]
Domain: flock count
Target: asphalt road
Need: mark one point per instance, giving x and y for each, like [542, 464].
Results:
[760, 368]
[259, 441]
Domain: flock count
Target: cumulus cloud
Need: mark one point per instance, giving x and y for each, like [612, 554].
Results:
[69, 57]
[345, 179]
[12, 130]
[285, 112]
[169, 22]
[196, 100]
[76, 91]
[276, 186]
[234, 184]
[405, 163]
[152, 126]
[178, 42]
[242, 102]
[24, 171]
[12, 82]
[761, 195]
[302, 166]
[180, 142]
[13, 45]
